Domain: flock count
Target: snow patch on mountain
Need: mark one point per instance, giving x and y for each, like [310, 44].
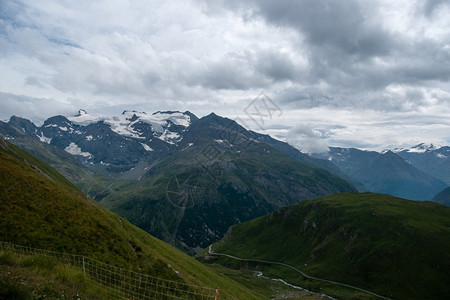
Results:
[420, 148]
[44, 139]
[124, 124]
[74, 149]
[83, 118]
[177, 118]
[169, 137]
[147, 147]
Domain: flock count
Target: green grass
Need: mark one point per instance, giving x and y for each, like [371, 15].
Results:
[391, 246]
[40, 209]
[39, 277]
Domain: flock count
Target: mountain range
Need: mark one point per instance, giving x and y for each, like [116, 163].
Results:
[183, 179]
[387, 172]
[186, 180]
[443, 197]
[431, 159]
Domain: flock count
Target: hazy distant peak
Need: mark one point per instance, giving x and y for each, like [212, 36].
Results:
[419, 148]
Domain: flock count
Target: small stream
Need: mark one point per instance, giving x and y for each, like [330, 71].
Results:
[260, 274]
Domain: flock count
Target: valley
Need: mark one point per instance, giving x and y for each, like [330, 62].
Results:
[393, 247]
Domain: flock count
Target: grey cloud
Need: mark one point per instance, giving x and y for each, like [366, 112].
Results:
[354, 59]
[304, 138]
[36, 109]
[344, 26]
[234, 71]
[430, 6]
[242, 71]
[34, 82]
[223, 76]
[276, 66]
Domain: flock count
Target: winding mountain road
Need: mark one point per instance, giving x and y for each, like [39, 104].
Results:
[297, 270]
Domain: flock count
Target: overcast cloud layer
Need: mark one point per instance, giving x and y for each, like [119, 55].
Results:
[368, 74]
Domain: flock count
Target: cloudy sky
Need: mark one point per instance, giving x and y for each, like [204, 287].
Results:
[371, 74]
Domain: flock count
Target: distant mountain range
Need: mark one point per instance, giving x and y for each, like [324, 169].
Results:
[183, 179]
[429, 159]
[387, 172]
[443, 197]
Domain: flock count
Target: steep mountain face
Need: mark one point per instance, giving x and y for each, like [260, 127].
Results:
[443, 197]
[41, 209]
[112, 144]
[429, 159]
[116, 145]
[384, 173]
[227, 177]
[394, 247]
[68, 165]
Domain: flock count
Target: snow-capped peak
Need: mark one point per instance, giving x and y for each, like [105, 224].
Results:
[124, 124]
[83, 118]
[420, 148]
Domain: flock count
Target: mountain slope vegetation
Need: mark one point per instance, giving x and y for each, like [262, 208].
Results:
[192, 197]
[391, 246]
[42, 209]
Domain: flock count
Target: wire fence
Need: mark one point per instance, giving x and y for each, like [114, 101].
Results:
[122, 283]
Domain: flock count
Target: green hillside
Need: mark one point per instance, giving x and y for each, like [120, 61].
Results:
[193, 196]
[41, 209]
[394, 247]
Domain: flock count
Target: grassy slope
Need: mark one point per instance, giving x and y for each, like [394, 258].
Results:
[392, 246]
[40, 208]
[39, 277]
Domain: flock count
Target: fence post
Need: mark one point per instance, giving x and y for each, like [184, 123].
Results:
[84, 268]
[217, 294]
